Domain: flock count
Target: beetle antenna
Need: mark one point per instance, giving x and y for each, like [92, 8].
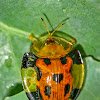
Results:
[45, 26]
[57, 28]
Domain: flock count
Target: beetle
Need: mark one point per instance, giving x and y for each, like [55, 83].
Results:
[53, 69]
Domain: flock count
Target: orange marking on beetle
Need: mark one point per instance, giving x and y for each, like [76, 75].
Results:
[56, 67]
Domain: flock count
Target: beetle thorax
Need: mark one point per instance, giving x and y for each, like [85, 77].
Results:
[52, 50]
[54, 47]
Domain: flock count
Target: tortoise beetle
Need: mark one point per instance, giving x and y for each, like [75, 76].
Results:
[53, 70]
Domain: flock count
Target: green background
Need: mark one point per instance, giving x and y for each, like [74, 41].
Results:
[20, 18]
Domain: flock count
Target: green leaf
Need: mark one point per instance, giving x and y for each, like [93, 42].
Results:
[20, 18]
[12, 48]
[20, 96]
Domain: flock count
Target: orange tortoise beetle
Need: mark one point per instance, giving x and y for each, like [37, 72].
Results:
[53, 70]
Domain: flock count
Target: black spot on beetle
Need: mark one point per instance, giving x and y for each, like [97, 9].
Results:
[67, 88]
[47, 90]
[63, 60]
[39, 73]
[37, 94]
[74, 94]
[57, 77]
[30, 96]
[25, 59]
[70, 70]
[34, 95]
[76, 57]
[27, 62]
[47, 61]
